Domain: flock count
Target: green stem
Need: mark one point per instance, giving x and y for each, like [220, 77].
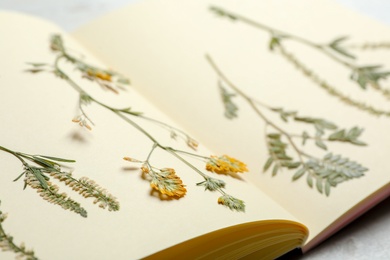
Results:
[150, 153]
[16, 154]
[320, 47]
[13, 246]
[114, 110]
[285, 35]
[173, 152]
[254, 107]
[191, 154]
[164, 125]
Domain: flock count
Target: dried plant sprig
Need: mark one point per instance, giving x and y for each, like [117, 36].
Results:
[336, 50]
[225, 165]
[332, 90]
[57, 45]
[88, 189]
[36, 176]
[212, 184]
[328, 171]
[231, 202]
[50, 193]
[7, 243]
[231, 108]
[107, 79]
[164, 180]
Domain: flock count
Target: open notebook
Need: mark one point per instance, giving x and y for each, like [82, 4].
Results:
[288, 101]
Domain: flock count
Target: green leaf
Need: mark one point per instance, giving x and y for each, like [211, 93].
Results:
[327, 188]
[44, 163]
[319, 185]
[342, 51]
[339, 40]
[268, 164]
[275, 170]
[38, 174]
[57, 159]
[130, 112]
[231, 108]
[326, 124]
[274, 136]
[298, 174]
[337, 135]
[17, 178]
[321, 144]
[305, 136]
[124, 81]
[368, 74]
[309, 180]
[34, 64]
[335, 45]
[350, 136]
[275, 41]
[292, 165]
[34, 70]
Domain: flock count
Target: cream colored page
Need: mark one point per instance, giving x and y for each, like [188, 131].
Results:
[36, 118]
[162, 46]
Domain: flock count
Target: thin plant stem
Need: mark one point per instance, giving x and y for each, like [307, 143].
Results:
[253, 106]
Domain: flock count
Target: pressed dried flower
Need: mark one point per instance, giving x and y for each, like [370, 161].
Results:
[167, 182]
[126, 158]
[145, 169]
[225, 165]
[99, 74]
[232, 202]
[192, 143]
[82, 121]
[52, 195]
[212, 184]
[89, 188]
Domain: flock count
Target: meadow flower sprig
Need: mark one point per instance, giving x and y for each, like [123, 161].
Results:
[107, 79]
[325, 172]
[169, 184]
[162, 179]
[364, 75]
[36, 172]
[7, 243]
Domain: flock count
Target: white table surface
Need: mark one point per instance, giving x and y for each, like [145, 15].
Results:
[366, 238]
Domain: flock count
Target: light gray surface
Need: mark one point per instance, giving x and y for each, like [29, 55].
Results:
[366, 238]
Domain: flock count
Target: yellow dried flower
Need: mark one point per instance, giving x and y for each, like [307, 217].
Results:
[225, 164]
[130, 159]
[192, 143]
[168, 183]
[103, 76]
[145, 169]
[82, 121]
[232, 202]
[99, 74]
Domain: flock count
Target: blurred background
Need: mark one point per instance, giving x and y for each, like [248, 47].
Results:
[72, 13]
[366, 238]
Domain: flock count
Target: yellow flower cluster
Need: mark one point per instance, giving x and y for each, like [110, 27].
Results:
[167, 182]
[99, 74]
[225, 165]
